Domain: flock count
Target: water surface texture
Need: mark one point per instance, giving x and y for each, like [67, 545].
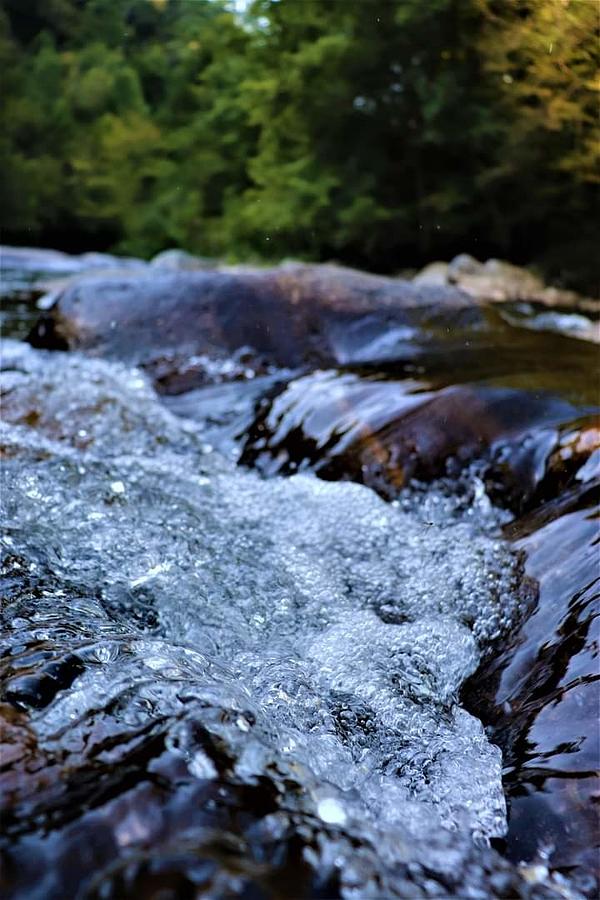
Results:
[300, 639]
[218, 683]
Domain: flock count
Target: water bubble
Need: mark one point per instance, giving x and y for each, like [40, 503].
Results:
[331, 811]
[310, 627]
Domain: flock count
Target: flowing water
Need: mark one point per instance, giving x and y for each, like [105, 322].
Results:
[217, 682]
[159, 579]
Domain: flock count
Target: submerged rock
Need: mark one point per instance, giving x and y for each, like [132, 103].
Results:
[385, 433]
[539, 693]
[544, 464]
[223, 683]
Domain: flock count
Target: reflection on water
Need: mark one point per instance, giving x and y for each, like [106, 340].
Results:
[542, 695]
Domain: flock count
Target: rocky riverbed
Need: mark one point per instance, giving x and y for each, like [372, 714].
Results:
[300, 582]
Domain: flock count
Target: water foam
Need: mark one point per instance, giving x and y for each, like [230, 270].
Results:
[318, 628]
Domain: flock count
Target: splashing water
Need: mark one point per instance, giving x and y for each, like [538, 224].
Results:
[314, 629]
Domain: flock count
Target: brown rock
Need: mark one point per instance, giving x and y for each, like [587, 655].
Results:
[384, 433]
[496, 281]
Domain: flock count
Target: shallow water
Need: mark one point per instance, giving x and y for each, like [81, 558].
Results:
[538, 694]
[313, 630]
[212, 681]
[541, 693]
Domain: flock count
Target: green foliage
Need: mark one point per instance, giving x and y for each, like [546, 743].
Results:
[381, 132]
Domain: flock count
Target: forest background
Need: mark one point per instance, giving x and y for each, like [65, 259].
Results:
[380, 133]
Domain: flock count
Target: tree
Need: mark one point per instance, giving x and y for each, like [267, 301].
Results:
[384, 133]
[543, 59]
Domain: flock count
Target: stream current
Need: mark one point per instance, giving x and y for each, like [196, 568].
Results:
[318, 634]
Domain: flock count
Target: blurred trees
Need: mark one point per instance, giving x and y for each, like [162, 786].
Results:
[384, 133]
[543, 59]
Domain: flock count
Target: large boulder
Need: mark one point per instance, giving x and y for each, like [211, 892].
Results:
[293, 315]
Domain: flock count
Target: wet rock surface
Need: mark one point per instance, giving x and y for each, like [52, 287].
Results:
[540, 694]
[216, 684]
[385, 434]
[537, 455]
[294, 315]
